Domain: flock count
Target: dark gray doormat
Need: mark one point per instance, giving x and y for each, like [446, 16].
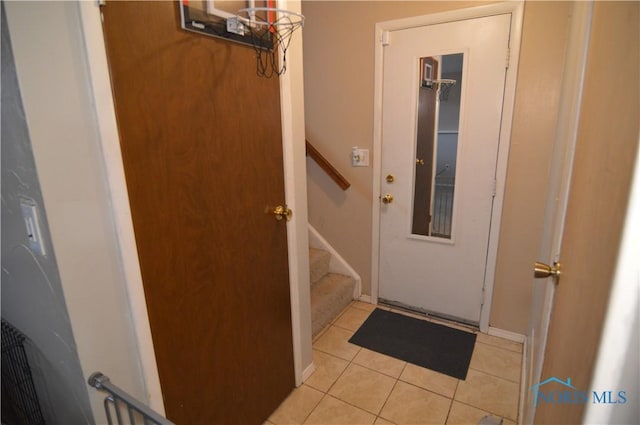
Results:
[436, 347]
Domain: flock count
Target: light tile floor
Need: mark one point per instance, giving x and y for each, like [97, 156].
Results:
[352, 385]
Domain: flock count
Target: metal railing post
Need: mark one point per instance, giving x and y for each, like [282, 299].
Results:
[117, 395]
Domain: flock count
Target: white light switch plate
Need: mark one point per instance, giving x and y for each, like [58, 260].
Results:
[31, 221]
[359, 157]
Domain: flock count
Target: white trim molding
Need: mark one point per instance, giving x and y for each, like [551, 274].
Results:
[523, 378]
[365, 299]
[91, 23]
[516, 9]
[511, 336]
[306, 373]
[337, 264]
[295, 176]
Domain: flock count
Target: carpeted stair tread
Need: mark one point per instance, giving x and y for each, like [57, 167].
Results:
[318, 264]
[329, 296]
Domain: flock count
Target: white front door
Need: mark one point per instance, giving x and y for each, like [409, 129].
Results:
[433, 273]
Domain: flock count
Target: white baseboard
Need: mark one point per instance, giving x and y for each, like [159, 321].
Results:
[308, 371]
[365, 298]
[511, 336]
[337, 264]
[523, 381]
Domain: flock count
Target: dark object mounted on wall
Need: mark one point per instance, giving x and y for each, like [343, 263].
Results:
[20, 404]
[209, 18]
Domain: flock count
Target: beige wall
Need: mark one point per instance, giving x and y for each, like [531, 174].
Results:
[537, 101]
[339, 114]
[605, 153]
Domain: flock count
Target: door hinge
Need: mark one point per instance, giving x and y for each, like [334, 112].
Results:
[494, 188]
[508, 57]
[385, 38]
[101, 2]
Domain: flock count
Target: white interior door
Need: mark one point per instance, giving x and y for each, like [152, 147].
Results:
[443, 276]
[558, 196]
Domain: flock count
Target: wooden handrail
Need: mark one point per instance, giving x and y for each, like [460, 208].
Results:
[327, 167]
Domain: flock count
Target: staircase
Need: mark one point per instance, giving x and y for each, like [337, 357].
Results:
[330, 292]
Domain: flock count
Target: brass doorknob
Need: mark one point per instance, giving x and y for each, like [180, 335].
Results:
[282, 212]
[542, 270]
[387, 199]
[420, 161]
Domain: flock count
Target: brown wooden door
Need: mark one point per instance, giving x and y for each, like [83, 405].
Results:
[605, 151]
[424, 153]
[202, 152]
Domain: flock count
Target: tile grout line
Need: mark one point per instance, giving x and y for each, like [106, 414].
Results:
[342, 373]
[349, 362]
[354, 305]
[495, 376]
[335, 322]
[328, 326]
[498, 347]
[486, 410]
[453, 398]
[333, 355]
[347, 308]
[314, 408]
[326, 394]
[386, 400]
[377, 371]
[346, 329]
[426, 389]
[320, 334]
[350, 404]
[313, 345]
[352, 362]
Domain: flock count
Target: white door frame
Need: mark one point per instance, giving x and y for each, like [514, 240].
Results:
[516, 8]
[98, 70]
[292, 114]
